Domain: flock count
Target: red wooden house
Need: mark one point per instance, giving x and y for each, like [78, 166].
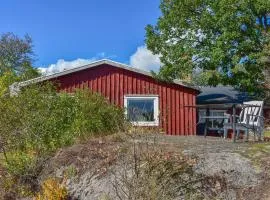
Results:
[148, 102]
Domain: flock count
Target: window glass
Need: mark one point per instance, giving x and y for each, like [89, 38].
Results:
[140, 110]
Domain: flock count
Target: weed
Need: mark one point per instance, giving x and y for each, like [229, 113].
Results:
[70, 172]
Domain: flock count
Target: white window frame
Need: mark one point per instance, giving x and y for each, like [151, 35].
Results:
[142, 97]
[211, 111]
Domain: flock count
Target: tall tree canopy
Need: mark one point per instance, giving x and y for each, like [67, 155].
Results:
[16, 54]
[223, 40]
[16, 60]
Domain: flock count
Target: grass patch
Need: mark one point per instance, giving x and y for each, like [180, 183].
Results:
[267, 133]
[259, 148]
[257, 152]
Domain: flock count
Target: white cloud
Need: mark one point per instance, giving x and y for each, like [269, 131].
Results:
[62, 65]
[145, 59]
[142, 59]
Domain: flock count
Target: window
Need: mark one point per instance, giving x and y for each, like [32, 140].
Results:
[212, 123]
[142, 110]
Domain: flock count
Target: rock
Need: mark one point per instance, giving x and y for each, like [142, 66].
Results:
[90, 186]
[237, 171]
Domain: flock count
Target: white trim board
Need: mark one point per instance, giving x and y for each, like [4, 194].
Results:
[156, 108]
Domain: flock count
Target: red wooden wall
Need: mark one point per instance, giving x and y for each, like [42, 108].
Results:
[114, 83]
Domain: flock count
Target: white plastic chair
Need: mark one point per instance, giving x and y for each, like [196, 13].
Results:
[251, 117]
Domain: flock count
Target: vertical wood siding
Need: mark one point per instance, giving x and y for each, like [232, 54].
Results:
[114, 83]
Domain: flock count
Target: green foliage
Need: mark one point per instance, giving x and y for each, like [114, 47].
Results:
[36, 118]
[39, 120]
[5, 81]
[19, 162]
[70, 172]
[52, 190]
[16, 57]
[220, 38]
[95, 116]
[16, 54]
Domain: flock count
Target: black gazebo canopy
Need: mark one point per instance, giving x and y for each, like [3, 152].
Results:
[222, 95]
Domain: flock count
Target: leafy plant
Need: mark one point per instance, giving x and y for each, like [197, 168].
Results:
[18, 161]
[70, 172]
[5, 81]
[52, 190]
[39, 121]
[95, 115]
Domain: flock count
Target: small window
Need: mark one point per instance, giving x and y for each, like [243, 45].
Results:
[142, 110]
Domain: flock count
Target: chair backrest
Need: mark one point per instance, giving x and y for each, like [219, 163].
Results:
[249, 109]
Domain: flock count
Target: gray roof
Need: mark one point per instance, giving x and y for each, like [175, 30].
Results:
[94, 64]
[222, 95]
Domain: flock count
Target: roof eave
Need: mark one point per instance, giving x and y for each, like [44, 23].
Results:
[94, 64]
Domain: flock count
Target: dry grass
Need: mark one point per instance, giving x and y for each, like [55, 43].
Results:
[154, 171]
[150, 166]
[143, 167]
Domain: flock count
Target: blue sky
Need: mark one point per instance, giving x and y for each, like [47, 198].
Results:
[86, 29]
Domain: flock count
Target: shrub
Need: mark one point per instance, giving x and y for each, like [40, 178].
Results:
[52, 190]
[95, 115]
[18, 161]
[6, 79]
[39, 120]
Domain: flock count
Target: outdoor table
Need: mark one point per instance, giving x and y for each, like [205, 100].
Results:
[211, 117]
[217, 106]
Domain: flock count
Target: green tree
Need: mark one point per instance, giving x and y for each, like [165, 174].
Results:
[16, 54]
[16, 60]
[218, 38]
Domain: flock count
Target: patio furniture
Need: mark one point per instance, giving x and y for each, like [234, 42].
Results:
[220, 125]
[250, 118]
[205, 119]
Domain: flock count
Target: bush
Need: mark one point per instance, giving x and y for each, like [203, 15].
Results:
[19, 161]
[37, 120]
[40, 120]
[6, 79]
[52, 190]
[95, 116]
